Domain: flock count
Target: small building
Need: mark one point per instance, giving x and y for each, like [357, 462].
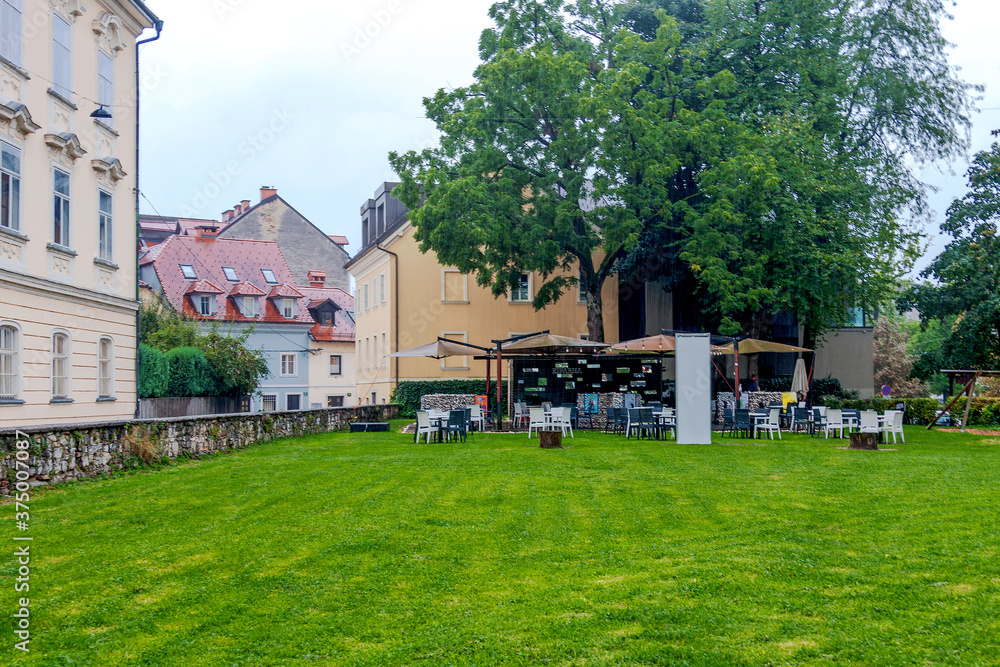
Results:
[331, 361]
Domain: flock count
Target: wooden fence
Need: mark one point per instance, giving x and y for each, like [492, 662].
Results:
[193, 406]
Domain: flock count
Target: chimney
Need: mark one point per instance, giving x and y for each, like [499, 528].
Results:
[207, 231]
[227, 216]
[317, 278]
[267, 191]
[246, 205]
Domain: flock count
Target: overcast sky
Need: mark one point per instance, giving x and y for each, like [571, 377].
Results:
[311, 98]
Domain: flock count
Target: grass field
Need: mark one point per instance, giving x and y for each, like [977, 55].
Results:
[369, 550]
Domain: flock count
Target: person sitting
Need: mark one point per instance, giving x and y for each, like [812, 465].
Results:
[752, 384]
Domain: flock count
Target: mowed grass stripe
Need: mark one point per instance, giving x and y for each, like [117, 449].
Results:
[369, 549]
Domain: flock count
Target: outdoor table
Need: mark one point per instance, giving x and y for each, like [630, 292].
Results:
[438, 419]
[757, 417]
[664, 419]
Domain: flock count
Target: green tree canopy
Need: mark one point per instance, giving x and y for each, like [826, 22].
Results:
[965, 292]
[753, 153]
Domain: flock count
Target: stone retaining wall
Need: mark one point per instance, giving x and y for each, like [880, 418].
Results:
[726, 400]
[446, 401]
[68, 453]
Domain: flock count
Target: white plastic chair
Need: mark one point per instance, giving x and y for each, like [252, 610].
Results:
[536, 420]
[562, 419]
[893, 423]
[772, 424]
[423, 426]
[869, 422]
[477, 417]
[520, 414]
[834, 422]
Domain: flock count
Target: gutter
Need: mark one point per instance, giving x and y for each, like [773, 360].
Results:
[158, 26]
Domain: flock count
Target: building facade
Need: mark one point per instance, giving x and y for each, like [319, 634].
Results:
[404, 298]
[68, 292]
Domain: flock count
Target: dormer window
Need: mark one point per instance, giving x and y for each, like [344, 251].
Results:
[269, 276]
[247, 305]
[230, 274]
[188, 272]
[287, 308]
[206, 304]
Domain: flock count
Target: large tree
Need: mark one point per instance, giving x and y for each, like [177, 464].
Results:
[751, 153]
[965, 292]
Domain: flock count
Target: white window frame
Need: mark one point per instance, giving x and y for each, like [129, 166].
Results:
[381, 287]
[265, 399]
[105, 226]
[62, 56]
[365, 292]
[206, 302]
[385, 349]
[368, 353]
[61, 201]
[10, 185]
[273, 280]
[288, 307]
[61, 366]
[184, 273]
[581, 293]
[513, 296]
[444, 286]
[340, 364]
[10, 25]
[458, 336]
[247, 306]
[230, 274]
[106, 84]
[286, 364]
[583, 336]
[10, 362]
[105, 368]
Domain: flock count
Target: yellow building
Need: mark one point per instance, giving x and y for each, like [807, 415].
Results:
[67, 209]
[405, 298]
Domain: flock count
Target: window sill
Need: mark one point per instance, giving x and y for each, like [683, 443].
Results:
[456, 368]
[14, 233]
[64, 100]
[61, 249]
[105, 263]
[106, 399]
[61, 400]
[101, 124]
[11, 401]
[336, 375]
[519, 303]
[14, 66]
[453, 303]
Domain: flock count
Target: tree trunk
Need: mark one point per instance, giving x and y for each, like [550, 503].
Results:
[550, 439]
[864, 441]
[595, 314]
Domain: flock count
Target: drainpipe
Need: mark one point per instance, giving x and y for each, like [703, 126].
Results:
[158, 26]
[395, 305]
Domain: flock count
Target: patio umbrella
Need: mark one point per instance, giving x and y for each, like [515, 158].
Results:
[756, 346]
[439, 349]
[800, 382]
[551, 343]
[661, 343]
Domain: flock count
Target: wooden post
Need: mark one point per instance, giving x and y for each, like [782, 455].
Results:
[966, 389]
[499, 387]
[968, 403]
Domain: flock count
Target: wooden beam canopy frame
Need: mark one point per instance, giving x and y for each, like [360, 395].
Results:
[966, 390]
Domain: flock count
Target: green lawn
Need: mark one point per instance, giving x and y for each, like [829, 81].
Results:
[369, 550]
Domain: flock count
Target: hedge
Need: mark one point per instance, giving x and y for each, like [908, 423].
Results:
[189, 372]
[984, 411]
[154, 373]
[407, 394]
[918, 410]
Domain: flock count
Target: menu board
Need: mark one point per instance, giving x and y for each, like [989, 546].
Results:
[561, 380]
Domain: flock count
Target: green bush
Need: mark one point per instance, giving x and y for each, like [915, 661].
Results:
[984, 411]
[780, 383]
[918, 410]
[408, 394]
[189, 372]
[154, 372]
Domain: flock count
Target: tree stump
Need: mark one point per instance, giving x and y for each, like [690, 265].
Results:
[550, 439]
[864, 441]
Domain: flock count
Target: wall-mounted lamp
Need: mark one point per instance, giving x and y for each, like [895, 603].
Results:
[100, 113]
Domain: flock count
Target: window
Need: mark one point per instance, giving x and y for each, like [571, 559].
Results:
[335, 364]
[60, 366]
[188, 272]
[583, 336]
[247, 305]
[269, 276]
[60, 226]
[10, 364]
[288, 364]
[454, 286]
[106, 83]
[581, 293]
[381, 287]
[206, 305]
[268, 402]
[105, 368]
[368, 353]
[380, 214]
[104, 225]
[61, 58]
[376, 361]
[230, 274]
[455, 363]
[857, 317]
[364, 298]
[334, 401]
[522, 292]
[10, 30]
[10, 175]
[293, 401]
[385, 349]
[288, 308]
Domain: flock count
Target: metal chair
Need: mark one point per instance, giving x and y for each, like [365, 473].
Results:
[800, 418]
[728, 421]
[456, 424]
[743, 424]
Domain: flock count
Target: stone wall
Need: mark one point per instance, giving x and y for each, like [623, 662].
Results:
[68, 453]
[446, 401]
[726, 400]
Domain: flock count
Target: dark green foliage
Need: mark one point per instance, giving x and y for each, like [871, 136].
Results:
[407, 394]
[189, 372]
[918, 410]
[154, 374]
[984, 411]
[780, 383]
[235, 370]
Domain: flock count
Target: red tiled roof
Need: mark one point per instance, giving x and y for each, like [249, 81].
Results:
[338, 239]
[284, 291]
[342, 330]
[208, 256]
[202, 287]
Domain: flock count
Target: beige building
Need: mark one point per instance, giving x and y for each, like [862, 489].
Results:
[405, 298]
[67, 209]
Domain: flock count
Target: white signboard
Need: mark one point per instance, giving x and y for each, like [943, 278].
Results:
[694, 389]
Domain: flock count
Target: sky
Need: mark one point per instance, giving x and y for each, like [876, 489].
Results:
[311, 99]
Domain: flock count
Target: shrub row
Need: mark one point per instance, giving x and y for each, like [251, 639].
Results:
[407, 394]
[182, 371]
